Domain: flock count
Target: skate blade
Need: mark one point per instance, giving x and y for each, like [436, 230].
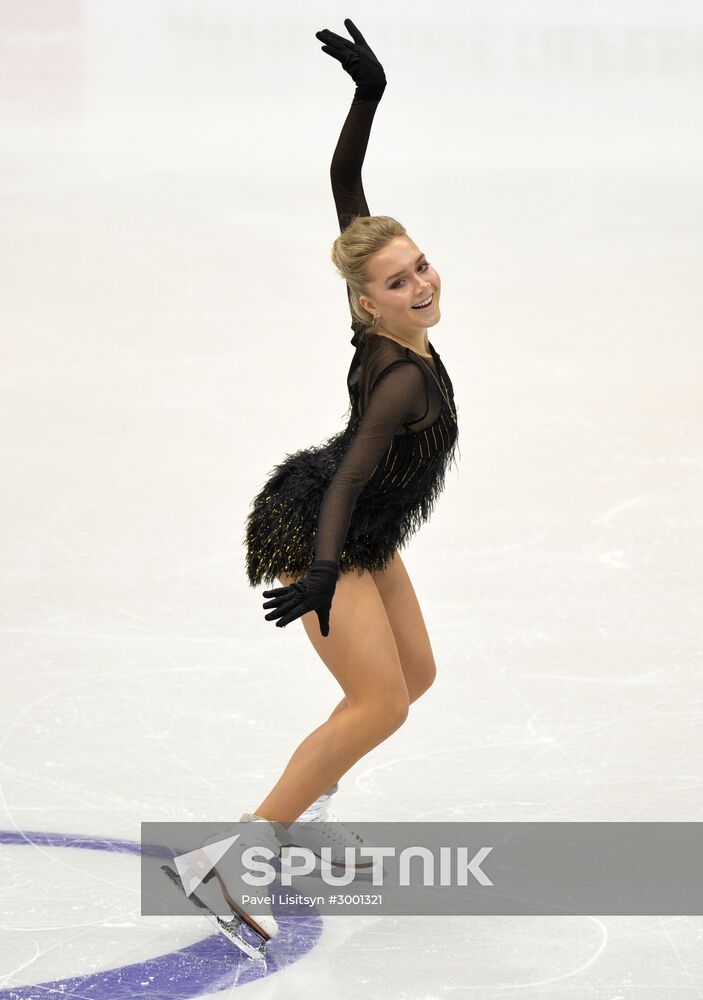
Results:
[239, 912]
[230, 926]
[193, 874]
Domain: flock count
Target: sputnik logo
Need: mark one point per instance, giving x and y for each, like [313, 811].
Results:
[196, 865]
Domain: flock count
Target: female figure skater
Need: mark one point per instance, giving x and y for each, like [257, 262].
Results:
[330, 519]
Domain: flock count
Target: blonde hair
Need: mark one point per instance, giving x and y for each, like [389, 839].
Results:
[351, 251]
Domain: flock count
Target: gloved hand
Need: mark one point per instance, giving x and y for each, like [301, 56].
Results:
[357, 59]
[313, 592]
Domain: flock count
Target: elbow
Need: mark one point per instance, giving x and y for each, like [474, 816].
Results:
[345, 488]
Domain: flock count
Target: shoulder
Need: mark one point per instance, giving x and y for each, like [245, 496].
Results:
[392, 375]
[395, 384]
[403, 373]
[383, 356]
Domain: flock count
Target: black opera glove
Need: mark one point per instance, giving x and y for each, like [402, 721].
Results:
[357, 59]
[313, 592]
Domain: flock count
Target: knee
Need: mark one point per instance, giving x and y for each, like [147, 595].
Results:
[395, 711]
[423, 682]
[377, 720]
[383, 715]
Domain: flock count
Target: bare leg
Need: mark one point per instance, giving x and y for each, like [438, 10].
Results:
[366, 664]
[409, 630]
[323, 757]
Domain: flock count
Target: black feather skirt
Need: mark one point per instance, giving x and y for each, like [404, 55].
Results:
[281, 526]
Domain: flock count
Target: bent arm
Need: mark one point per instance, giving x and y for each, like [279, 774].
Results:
[397, 397]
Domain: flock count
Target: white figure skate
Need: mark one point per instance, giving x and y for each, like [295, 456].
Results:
[327, 830]
[199, 877]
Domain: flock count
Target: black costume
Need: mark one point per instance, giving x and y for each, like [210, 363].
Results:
[358, 497]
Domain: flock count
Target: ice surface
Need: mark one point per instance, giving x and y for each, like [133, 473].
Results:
[167, 302]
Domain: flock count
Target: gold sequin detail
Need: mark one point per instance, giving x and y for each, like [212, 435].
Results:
[278, 539]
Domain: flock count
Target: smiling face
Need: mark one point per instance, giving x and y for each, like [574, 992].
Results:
[401, 277]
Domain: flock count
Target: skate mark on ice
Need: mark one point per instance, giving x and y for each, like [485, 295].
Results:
[208, 966]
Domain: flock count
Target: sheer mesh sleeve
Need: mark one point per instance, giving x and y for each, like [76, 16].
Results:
[398, 396]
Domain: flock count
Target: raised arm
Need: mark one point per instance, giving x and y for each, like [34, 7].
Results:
[361, 63]
[345, 171]
[348, 159]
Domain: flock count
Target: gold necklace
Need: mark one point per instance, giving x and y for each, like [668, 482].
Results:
[441, 385]
[395, 340]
